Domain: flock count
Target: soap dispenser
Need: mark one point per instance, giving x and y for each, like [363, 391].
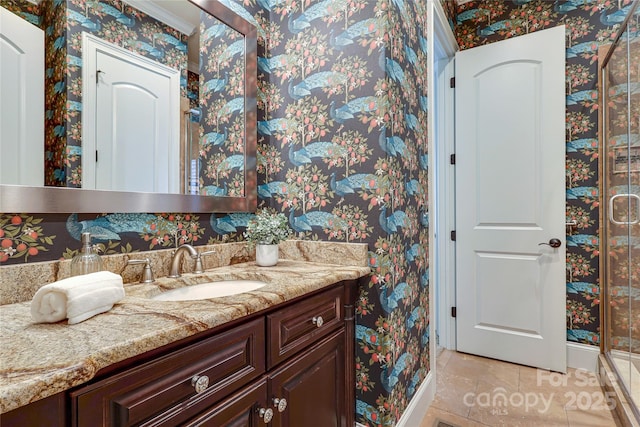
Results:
[87, 261]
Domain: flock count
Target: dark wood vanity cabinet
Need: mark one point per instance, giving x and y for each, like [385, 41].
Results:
[289, 366]
[309, 389]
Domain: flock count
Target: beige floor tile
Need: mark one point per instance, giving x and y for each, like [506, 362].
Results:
[435, 414]
[566, 388]
[591, 418]
[443, 357]
[468, 366]
[512, 407]
[450, 393]
[573, 399]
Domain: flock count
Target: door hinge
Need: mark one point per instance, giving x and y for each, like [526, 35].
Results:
[454, 312]
[452, 159]
[453, 235]
[96, 155]
[452, 82]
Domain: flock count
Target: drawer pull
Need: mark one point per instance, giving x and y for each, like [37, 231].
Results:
[318, 321]
[200, 383]
[280, 404]
[266, 414]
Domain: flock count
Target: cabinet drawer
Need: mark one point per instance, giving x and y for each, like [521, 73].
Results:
[162, 390]
[241, 409]
[293, 328]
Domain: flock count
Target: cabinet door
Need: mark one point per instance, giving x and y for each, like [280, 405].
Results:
[240, 410]
[314, 385]
[298, 326]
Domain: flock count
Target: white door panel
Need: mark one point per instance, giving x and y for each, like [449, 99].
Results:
[132, 114]
[21, 101]
[133, 121]
[510, 103]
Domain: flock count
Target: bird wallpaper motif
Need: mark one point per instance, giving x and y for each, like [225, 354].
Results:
[221, 103]
[342, 151]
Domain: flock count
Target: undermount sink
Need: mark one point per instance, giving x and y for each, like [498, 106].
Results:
[208, 290]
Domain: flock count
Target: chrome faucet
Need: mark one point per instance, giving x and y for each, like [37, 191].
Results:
[177, 257]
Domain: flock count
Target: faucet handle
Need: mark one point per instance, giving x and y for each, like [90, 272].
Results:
[147, 273]
[198, 267]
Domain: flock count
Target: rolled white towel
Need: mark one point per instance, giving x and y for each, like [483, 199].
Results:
[77, 298]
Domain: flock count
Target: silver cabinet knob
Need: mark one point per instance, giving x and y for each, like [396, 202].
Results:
[280, 403]
[318, 321]
[200, 383]
[266, 414]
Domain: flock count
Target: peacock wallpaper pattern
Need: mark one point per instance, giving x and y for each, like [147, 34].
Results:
[221, 103]
[342, 152]
[589, 25]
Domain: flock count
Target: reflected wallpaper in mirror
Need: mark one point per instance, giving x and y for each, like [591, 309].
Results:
[222, 126]
[212, 132]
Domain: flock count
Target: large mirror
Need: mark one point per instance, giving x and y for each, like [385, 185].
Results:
[150, 105]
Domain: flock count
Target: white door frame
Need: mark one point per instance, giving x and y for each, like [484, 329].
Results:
[442, 48]
[90, 46]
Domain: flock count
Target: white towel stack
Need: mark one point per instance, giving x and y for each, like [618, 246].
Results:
[77, 298]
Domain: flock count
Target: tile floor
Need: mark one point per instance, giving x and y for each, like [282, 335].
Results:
[475, 391]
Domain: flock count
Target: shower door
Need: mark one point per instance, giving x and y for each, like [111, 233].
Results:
[621, 210]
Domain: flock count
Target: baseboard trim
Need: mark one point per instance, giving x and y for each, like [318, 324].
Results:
[418, 406]
[583, 356]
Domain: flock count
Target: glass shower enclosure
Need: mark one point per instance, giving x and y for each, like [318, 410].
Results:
[620, 209]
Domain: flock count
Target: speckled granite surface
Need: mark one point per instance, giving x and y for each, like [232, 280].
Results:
[19, 282]
[39, 360]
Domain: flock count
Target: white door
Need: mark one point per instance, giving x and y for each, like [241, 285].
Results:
[510, 200]
[21, 101]
[136, 123]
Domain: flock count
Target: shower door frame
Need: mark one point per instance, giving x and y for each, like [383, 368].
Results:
[604, 55]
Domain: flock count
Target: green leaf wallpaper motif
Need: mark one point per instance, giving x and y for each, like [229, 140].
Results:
[342, 152]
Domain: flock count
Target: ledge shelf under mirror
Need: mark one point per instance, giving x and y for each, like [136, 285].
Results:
[60, 199]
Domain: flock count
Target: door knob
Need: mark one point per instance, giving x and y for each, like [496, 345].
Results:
[554, 243]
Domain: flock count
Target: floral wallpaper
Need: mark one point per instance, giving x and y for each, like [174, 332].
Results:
[222, 53]
[193, 89]
[28, 11]
[622, 130]
[450, 8]
[342, 151]
[589, 25]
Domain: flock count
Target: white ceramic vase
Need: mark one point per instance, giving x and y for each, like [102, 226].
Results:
[266, 255]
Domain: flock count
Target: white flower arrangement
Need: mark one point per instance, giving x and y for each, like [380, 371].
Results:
[267, 228]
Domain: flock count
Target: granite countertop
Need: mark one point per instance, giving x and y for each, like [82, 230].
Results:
[40, 360]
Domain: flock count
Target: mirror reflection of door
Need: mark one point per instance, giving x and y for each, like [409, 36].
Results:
[132, 142]
[22, 101]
